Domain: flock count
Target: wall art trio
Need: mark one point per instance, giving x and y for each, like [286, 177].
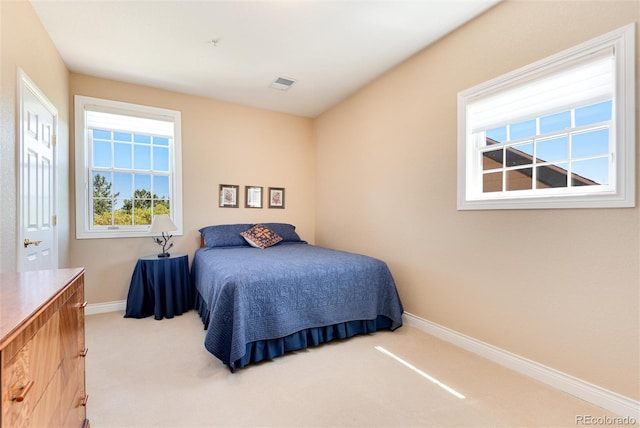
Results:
[230, 198]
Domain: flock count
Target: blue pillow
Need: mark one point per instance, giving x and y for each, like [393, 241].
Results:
[286, 231]
[225, 235]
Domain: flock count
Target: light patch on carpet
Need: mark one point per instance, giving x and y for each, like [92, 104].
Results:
[421, 373]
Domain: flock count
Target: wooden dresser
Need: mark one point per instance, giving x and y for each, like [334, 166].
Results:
[42, 349]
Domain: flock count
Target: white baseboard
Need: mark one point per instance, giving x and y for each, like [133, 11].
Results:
[101, 308]
[616, 403]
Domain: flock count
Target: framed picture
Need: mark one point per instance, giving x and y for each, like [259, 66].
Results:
[276, 197]
[252, 197]
[228, 196]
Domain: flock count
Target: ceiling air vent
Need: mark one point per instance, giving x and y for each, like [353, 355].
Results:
[282, 83]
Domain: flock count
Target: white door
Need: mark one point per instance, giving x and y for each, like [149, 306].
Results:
[37, 238]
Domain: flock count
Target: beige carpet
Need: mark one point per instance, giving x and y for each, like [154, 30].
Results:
[143, 372]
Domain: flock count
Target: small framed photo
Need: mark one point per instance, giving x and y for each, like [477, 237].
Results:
[276, 197]
[252, 197]
[228, 196]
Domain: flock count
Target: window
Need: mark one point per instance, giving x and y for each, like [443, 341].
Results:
[559, 133]
[128, 160]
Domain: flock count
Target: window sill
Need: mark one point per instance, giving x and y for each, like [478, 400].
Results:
[547, 202]
[111, 234]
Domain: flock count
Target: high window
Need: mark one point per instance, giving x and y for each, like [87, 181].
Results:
[556, 134]
[127, 168]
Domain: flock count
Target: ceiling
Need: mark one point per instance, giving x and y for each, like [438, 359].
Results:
[234, 50]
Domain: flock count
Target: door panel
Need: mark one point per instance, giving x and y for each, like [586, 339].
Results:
[37, 246]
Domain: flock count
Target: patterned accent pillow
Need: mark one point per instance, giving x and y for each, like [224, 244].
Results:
[260, 236]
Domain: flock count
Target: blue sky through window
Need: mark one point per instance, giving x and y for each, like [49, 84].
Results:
[555, 122]
[138, 162]
[559, 149]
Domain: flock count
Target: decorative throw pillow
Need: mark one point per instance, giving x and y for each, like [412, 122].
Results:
[260, 236]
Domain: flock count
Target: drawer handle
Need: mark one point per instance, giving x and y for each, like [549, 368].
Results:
[83, 402]
[22, 392]
[84, 352]
[82, 305]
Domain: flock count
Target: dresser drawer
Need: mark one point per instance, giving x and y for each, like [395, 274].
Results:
[46, 413]
[73, 395]
[73, 400]
[29, 373]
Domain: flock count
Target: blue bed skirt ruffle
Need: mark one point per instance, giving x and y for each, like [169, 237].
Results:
[271, 348]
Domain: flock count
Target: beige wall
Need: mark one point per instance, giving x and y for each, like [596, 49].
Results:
[560, 287]
[24, 43]
[221, 143]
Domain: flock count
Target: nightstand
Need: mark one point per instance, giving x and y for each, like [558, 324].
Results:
[160, 286]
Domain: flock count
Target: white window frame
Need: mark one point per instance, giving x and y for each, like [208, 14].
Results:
[84, 183]
[620, 194]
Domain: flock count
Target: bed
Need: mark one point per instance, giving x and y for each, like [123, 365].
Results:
[259, 299]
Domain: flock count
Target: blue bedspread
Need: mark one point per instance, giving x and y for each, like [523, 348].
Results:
[255, 294]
